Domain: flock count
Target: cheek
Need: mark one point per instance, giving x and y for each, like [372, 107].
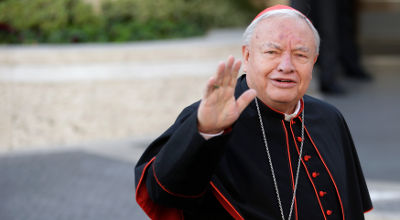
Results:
[305, 72]
[264, 66]
[308, 76]
[259, 67]
[306, 79]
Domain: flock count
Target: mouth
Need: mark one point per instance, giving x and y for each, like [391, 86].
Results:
[285, 80]
[284, 83]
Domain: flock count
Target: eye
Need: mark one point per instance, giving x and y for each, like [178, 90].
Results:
[301, 55]
[272, 52]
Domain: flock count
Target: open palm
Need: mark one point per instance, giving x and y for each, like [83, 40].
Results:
[218, 108]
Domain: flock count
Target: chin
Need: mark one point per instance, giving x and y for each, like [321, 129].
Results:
[283, 100]
[283, 96]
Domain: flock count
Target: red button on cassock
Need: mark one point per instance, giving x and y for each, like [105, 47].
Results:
[322, 193]
[307, 157]
[299, 139]
[315, 174]
[328, 212]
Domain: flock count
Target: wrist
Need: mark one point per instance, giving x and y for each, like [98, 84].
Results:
[209, 136]
[211, 131]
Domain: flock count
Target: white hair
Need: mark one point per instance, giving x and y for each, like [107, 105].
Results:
[247, 35]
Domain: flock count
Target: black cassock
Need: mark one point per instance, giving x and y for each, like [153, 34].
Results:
[183, 176]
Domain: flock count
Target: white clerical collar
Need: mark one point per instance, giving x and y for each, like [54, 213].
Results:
[296, 111]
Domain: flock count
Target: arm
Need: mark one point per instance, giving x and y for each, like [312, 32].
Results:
[183, 160]
[184, 166]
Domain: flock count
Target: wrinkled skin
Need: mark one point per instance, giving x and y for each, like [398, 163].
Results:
[278, 61]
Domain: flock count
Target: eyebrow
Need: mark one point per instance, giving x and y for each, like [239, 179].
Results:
[303, 49]
[276, 46]
[271, 44]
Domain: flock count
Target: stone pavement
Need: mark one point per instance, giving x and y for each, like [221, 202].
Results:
[68, 185]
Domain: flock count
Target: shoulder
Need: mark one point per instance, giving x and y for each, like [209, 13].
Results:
[321, 108]
[325, 121]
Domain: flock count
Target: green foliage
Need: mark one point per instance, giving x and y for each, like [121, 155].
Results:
[58, 21]
[49, 21]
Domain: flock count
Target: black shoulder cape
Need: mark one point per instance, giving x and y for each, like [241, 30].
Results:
[183, 176]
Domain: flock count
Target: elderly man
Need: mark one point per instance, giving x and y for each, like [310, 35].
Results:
[256, 147]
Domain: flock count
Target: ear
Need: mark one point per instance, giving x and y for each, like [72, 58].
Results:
[315, 58]
[246, 56]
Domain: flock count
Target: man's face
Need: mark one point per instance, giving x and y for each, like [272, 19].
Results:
[279, 61]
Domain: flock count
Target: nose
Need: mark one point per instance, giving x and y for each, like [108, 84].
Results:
[286, 65]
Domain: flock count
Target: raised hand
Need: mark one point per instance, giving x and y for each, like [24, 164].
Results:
[218, 108]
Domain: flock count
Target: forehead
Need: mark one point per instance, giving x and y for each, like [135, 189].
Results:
[281, 29]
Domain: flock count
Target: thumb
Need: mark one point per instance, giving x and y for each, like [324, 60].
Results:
[244, 100]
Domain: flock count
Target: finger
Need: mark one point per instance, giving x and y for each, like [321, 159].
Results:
[219, 77]
[235, 72]
[228, 70]
[244, 100]
[210, 87]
